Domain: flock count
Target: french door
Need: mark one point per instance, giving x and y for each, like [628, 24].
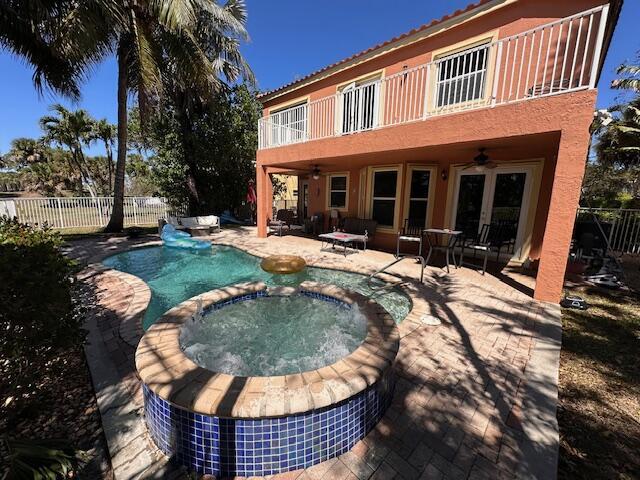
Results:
[498, 197]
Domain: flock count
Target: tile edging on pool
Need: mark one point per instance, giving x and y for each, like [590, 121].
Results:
[170, 374]
[130, 328]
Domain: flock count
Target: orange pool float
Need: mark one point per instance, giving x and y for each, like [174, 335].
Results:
[283, 264]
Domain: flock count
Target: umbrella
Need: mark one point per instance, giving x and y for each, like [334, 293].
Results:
[251, 193]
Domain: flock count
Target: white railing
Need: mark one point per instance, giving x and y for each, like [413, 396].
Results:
[555, 58]
[78, 212]
[622, 227]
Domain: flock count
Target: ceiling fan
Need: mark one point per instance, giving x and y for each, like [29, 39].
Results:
[481, 161]
[315, 171]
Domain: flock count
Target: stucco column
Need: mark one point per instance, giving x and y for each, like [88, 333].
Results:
[565, 195]
[264, 192]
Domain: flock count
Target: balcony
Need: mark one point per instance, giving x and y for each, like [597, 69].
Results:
[553, 59]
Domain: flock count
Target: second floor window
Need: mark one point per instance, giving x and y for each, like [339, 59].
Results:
[360, 106]
[289, 125]
[461, 77]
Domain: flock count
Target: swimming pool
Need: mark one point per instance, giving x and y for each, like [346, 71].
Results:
[174, 275]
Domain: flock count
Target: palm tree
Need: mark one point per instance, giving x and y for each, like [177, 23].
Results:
[191, 44]
[63, 38]
[71, 130]
[630, 79]
[106, 133]
[618, 142]
[39, 167]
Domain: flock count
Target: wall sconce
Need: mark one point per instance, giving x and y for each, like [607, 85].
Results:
[315, 174]
[444, 174]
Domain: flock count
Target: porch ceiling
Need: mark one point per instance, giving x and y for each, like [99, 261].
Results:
[524, 147]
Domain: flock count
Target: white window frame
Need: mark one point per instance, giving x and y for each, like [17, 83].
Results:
[330, 190]
[355, 122]
[396, 211]
[450, 60]
[433, 170]
[284, 128]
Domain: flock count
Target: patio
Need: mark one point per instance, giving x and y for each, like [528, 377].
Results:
[476, 396]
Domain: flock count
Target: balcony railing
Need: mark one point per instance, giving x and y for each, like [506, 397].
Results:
[552, 59]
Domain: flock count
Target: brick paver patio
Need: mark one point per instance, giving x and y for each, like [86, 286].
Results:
[476, 395]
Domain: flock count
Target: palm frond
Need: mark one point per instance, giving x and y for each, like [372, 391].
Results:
[631, 79]
[143, 63]
[21, 33]
[628, 69]
[626, 84]
[174, 15]
[228, 19]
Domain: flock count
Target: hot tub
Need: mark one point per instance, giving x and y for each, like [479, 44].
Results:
[239, 421]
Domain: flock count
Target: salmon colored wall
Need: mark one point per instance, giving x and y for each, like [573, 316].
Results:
[551, 128]
[554, 128]
[318, 195]
[445, 158]
[509, 20]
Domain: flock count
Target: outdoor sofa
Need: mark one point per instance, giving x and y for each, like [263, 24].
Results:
[203, 224]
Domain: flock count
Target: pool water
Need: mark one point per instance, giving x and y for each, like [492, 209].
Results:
[175, 275]
[274, 336]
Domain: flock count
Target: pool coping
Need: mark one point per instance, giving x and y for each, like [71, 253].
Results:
[543, 358]
[169, 373]
[131, 327]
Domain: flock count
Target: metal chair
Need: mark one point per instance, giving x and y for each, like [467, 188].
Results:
[411, 232]
[491, 238]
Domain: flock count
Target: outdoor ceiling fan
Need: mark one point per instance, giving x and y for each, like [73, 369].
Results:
[315, 171]
[481, 161]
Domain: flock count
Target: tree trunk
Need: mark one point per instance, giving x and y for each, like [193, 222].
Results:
[107, 146]
[86, 173]
[116, 221]
[84, 177]
[187, 150]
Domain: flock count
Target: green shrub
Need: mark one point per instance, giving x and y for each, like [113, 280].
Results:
[41, 460]
[38, 315]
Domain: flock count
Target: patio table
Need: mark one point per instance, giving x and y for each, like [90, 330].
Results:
[434, 237]
[345, 239]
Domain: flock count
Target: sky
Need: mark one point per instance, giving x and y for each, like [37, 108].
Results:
[287, 42]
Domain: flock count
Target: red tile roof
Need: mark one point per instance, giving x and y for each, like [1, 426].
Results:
[433, 23]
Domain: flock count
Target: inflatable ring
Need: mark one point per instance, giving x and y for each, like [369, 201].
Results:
[283, 264]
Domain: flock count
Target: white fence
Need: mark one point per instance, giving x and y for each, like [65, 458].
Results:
[622, 227]
[77, 212]
[555, 58]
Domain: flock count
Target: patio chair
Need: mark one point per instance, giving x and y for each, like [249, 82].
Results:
[360, 226]
[492, 237]
[284, 218]
[411, 232]
[334, 220]
[314, 224]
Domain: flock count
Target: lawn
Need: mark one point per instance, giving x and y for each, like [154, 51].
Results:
[599, 389]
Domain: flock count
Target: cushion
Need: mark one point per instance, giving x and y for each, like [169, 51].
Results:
[208, 220]
[189, 222]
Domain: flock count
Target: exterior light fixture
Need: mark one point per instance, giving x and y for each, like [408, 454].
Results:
[444, 174]
[315, 174]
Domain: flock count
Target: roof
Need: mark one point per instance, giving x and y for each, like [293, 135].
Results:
[419, 29]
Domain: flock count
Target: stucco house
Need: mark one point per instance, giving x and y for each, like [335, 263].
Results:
[476, 118]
